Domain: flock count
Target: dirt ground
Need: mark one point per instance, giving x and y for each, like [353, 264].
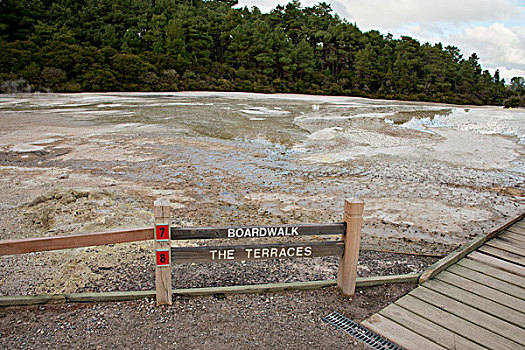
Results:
[66, 169]
[289, 320]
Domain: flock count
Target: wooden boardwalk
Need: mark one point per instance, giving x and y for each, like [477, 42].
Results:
[477, 303]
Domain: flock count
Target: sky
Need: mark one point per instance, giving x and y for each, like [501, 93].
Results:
[493, 29]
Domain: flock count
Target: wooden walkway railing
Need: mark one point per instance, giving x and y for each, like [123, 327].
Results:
[476, 302]
[347, 248]
[79, 240]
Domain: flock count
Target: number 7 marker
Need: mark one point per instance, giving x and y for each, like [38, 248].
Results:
[162, 232]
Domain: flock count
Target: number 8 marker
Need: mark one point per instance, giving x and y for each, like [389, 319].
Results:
[163, 257]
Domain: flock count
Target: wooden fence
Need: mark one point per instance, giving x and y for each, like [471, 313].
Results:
[165, 255]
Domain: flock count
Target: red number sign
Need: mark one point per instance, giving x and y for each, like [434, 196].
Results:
[163, 258]
[162, 232]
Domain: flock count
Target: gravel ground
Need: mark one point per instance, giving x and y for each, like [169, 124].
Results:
[288, 320]
[76, 163]
[249, 272]
[130, 267]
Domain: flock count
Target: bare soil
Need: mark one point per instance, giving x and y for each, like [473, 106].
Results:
[289, 320]
[67, 169]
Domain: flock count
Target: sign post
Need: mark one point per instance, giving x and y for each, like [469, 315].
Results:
[162, 251]
[347, 249]
[347, 272]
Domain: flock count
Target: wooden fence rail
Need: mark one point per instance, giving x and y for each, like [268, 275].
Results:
[347, 248]
[42, 244]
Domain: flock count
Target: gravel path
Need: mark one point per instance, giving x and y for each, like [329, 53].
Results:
[288, 320]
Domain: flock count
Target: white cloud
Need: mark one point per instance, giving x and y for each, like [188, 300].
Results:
[264, 5]
[495, 44]
[390, 14]
[498, 46]
[508, 74]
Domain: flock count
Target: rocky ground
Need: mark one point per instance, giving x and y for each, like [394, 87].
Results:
[288, 320]
[69, 170]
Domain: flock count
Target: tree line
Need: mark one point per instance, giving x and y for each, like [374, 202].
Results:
[174, 45]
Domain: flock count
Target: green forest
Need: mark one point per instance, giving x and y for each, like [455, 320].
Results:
[176, 45]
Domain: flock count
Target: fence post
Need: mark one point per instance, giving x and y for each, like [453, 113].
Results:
[347, 272]
[162, 251]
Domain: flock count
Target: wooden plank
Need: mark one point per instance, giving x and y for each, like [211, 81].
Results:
[347, 271]
[162, 273]
[499, 263]
[493, 272]
[399, 334]
[378, 280]
[457, 325]
[452, 258]
[427, 329]
[471, 314]
[507, 246]
[256, 252]
[518, 292]
[503, 254]
[40, 244]
[481, 290]
[463, 251]
[256, 288]
[256, 231]
[478, 302]
[510, 236]
[22, 300]
[109, 296]
[517, 230]
[515, 221]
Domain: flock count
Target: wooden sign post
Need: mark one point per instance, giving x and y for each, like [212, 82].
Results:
[347, 249]
[347, 273]
[162, 251]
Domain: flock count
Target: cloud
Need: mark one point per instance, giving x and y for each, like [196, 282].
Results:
[495, 44]
[394, 15]
[389, 14]
[508, 74]
[264, 5]
[340, 8]
[498, 46]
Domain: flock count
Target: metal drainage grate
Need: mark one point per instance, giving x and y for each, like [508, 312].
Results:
[359, 332]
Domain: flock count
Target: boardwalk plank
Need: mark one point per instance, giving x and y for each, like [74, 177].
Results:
[471, 314]
[508, 246]
[428, 329]
[514, 239]
[481, 290]
[519, 225]
[519, 229]
[502, 254]
[478, 302]
[399, 334]
[510, 236]
[493, 272]
[489, 281]
[456, 324]
[499, 263]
